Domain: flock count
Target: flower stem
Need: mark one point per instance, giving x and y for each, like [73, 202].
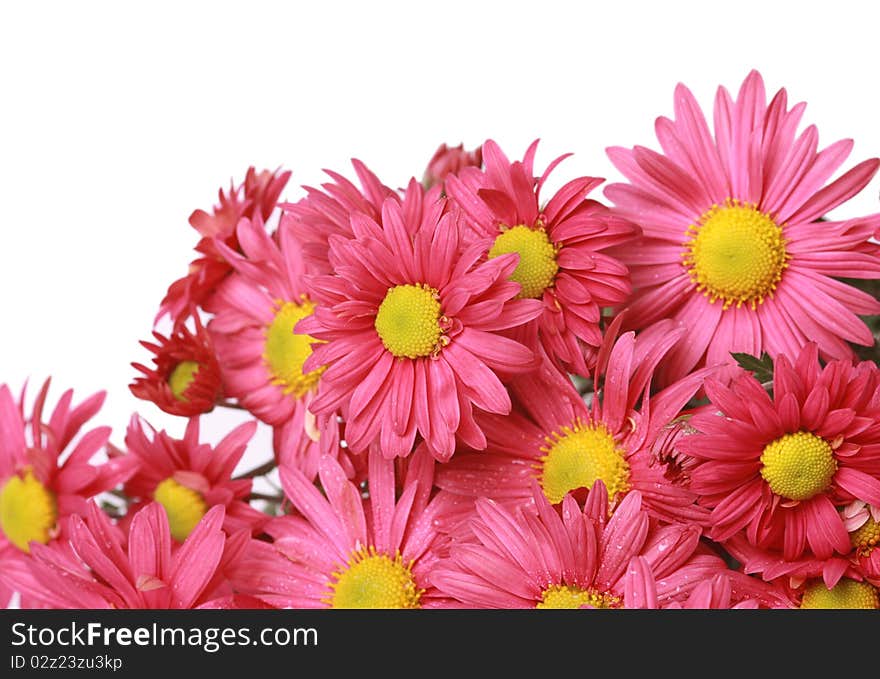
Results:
[230, 404]
[264, 468]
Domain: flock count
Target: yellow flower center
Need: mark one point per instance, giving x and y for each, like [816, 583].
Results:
[27, 511]
[798, 466]
[845, 594]
[286, 351]
[736, 254]
[408, 321]
[373, 580]
[567, 596]
[865, 537]
[537, 258]
[575, 457]
[184, 506]
[181, 377]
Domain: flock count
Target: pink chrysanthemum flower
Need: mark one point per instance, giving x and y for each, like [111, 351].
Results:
[187, 478]
[256, 309]
[725, 590]
[449, 160]
[847, 593]
[560, 247]
[102, 571]
[533, 557]
[39, 487]
[255, 198]
[772, 566]
[324, 213]
[556, 438]
[409, 326]
[257, 195]
[734, 243]
[775, 469]
[862, 521]
[185, 379]
[342, 551]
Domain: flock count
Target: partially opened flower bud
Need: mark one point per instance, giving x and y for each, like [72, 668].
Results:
[450, 160]
[186, 378]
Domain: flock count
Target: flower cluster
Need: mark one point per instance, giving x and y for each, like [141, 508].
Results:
[484, 393]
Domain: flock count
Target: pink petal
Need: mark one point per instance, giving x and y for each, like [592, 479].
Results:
[622, 539]
[639, 588]
[862, 486]
[381, 476]
[314, 507]
[149, 543]
[484, 388]
[825, 531]
[344, 498]
[837, 192]
[617, 380]
[196, 560]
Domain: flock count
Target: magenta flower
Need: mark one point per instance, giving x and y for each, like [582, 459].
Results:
[325, 213]
[187, 478]
[409, 330]
[449, 160]
[261, 356]
[555, 438]
[255, 198]
[735, 246]
[847, 593]
[342, 551]
[102, 571]
[725, 590]
[537, 558]
[186, 378]
[560, 246]
[862, 521]
[45, 476]
[776, 469]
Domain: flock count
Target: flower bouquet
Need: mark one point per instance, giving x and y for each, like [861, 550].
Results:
[486, 393]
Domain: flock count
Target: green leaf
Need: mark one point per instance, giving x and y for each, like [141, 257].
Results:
[761, 368]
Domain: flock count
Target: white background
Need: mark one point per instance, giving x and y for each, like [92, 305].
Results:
[116, 122]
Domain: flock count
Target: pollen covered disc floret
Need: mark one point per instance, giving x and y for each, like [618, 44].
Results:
[181, 377]
[185, 507]
[408, 321]
[735, 254]
[865, 538]
[28, 511]
[569, 596]
[374, 580]
[575, 457]
[286, 351]
[845, 594]
[798, 466]
[537, 265]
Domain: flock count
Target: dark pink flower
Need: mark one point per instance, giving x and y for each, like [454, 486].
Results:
[560, 247]
[44, 475]
[185, 379]
[449, 160]
[327, 211]
[187, 477]
[104, 568]
[409, 330]
[341, 550]
[554, 437]
[775, 469]
[536, 557]
[255, 198]
[734, 243]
